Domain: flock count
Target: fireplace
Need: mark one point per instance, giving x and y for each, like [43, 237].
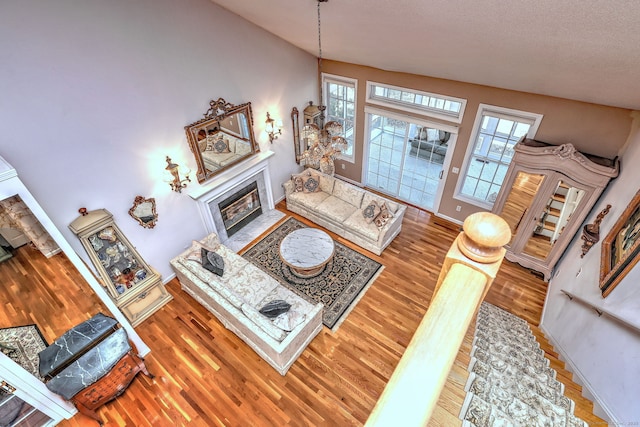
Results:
[240, 208]
[238, 202]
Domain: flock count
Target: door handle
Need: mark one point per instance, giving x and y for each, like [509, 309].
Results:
[441, 172]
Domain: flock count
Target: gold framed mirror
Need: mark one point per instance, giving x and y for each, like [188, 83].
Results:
[144, 211]
[223, 138]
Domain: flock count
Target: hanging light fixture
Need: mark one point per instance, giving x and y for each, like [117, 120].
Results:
[324, 141]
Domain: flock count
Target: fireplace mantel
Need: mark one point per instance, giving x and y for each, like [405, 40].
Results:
[231, 177]
[221, 186]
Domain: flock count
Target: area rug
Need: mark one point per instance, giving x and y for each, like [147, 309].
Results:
[22, 345]
[339, 286]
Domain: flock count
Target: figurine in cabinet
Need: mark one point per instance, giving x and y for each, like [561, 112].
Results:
[136, 288]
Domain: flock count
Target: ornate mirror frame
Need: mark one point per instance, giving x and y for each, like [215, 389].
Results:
[144, 211]
[223, 138]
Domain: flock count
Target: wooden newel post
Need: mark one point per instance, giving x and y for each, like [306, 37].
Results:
[480, 246]
[467, 272]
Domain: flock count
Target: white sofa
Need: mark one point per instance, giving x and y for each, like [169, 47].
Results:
[338, 206]
[236, 297]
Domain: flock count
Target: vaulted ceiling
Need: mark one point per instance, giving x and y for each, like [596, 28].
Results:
[587, 50]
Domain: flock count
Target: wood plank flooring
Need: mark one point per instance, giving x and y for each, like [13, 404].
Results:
[206, 376]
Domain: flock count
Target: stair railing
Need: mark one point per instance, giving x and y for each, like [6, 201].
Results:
[468, 271]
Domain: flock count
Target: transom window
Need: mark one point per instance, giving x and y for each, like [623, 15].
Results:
[496, 131]
[340, 98]
[415, 101]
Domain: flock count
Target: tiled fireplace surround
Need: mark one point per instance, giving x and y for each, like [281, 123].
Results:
[209, 195]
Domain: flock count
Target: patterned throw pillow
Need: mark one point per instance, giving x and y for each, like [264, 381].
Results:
[298, 182]
[275, 308]
[371, 212]
[311, 183]
[383, 217]
[221, 145]
[212, 262]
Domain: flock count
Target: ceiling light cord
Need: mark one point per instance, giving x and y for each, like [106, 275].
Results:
[321, 106]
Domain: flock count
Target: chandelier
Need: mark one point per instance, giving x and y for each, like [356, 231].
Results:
[323, 141]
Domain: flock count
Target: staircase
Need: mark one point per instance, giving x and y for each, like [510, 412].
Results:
[513, 381]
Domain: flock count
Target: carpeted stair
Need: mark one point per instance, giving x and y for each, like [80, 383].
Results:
[510, 382]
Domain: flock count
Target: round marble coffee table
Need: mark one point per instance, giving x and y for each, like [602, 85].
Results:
[306, 251]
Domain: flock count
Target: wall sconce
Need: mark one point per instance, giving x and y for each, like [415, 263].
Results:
[172, 176]
[273, 128]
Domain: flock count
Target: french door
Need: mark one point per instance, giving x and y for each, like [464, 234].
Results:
[405, 158]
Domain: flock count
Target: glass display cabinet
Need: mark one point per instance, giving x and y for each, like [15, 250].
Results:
[136, 287]
[547, 193]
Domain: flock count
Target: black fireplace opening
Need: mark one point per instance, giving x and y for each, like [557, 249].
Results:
[240, 208]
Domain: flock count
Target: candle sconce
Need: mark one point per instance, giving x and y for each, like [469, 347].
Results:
[591, 232]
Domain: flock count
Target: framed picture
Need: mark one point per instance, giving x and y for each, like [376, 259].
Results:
[621, 247]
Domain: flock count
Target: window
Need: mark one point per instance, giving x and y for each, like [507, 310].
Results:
[340, 99]
[496, 131]
[414, 101]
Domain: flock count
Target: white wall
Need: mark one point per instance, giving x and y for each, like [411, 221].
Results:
[604, 354]
[95, 93]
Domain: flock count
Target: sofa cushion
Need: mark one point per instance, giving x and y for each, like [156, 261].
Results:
[194, 253]
[348, 192]
[357, 224]
[196, 273]
[309, 200]
[296, 314]
[335, 208]
[263, 322]
[370, 211]
[326, 181]
[242, 147]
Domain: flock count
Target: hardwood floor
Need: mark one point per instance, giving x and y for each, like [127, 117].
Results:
[206, 376]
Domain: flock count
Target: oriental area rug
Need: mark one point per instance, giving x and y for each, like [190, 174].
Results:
[510, 380]
[22, 345]
[338, 287]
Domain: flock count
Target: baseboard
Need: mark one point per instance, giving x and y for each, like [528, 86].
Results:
[168, 278]
[600, 408]
[448, 218]
[53, 252]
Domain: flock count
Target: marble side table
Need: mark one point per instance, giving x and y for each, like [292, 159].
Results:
[307, 251]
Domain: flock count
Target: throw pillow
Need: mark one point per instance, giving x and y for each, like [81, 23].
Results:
[298, 182]
[371, 212]
[221, 145]
[311, 183]
[275, 308]
[195, 251]
[212, 262]
[383, 217]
